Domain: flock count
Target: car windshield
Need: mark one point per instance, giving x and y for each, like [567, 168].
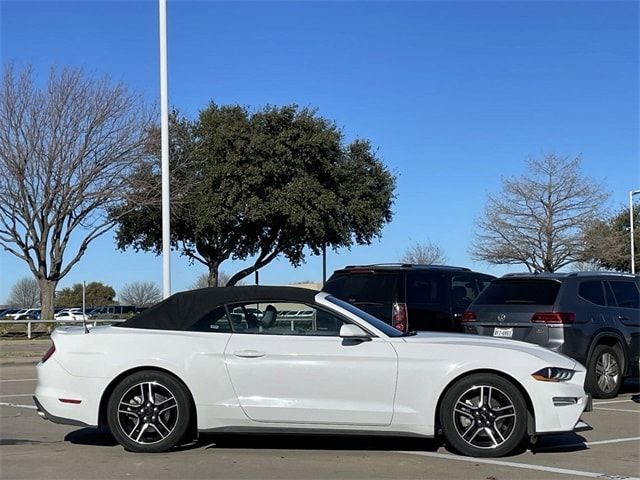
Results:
[379, 324]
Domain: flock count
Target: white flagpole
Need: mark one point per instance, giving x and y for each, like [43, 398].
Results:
[164, 125]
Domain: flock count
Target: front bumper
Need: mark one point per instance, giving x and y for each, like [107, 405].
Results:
[558, 406]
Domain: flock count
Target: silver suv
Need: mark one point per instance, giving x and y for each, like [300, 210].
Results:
[593, 317]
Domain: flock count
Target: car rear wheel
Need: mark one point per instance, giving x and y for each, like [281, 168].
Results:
[483, 415]
[604, 372]
[149, 411]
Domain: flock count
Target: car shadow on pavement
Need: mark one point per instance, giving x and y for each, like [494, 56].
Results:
[631, 385]
[98, 437]
[102, 437]
[317, 442]
[559, 443]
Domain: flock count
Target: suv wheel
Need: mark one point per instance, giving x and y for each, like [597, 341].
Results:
[483, 415]
[604, 372]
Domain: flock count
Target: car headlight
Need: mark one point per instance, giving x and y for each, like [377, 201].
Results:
[553, 374]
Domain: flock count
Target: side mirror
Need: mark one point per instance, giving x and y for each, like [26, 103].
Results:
[349, 331]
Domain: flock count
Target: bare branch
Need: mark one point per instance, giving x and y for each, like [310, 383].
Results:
[537, 220]
[66, 151]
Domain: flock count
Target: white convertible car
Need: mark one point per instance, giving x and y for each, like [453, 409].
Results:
[283, 359]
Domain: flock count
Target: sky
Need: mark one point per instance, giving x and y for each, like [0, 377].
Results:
[454, 95]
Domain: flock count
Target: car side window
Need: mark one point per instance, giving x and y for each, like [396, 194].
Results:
[484, 281]
[280, 318]
[426, 287]
[626, 293]
[592, 291]
[464, 289]
[216, 321]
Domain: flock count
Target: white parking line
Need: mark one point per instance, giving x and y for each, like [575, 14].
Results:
[16, 405]
[613, 401]
[616, 410]
[18, 395]
[587, 444]
[526, 466]
[613, 440]
[20, 380]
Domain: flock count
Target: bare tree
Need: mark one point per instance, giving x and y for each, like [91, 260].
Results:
[427, 253]
[140, 294]
[66, 151]
[25, 293]
[537, 219]
[585, 266]
[203, 281]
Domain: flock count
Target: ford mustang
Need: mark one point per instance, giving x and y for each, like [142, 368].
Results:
[284, 359]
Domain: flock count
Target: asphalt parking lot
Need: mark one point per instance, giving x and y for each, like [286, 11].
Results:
[33, 448]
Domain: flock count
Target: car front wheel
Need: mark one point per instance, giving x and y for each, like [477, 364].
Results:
[149, 411]
[483, 415]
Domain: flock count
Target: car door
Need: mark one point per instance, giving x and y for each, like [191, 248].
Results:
[291, 366]
[627, 314]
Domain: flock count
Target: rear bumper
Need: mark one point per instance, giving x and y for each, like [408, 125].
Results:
[56, 386]
[42, 412]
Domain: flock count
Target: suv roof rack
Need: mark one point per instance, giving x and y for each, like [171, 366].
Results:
[599, 273]
[408, 265]
[567, 274]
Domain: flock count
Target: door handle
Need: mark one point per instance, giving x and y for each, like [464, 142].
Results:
[249, 353]
[620, 317]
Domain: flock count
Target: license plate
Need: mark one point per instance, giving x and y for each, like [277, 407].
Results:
[503, 332]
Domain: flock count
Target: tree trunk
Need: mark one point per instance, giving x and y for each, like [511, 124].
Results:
[263, 259]
[213, 274]
[47, 294]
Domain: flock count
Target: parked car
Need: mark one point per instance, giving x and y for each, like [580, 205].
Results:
[593, 317]
[30, 314]
[410, 297]
[114, 311]
[9, 312]
[185, 366]
[69, 314]
[23, 314]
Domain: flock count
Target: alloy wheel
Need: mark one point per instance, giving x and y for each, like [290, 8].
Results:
[148, 412]
[607, 372]
[484, 416]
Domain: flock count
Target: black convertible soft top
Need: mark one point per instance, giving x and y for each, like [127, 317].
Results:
[181, 310]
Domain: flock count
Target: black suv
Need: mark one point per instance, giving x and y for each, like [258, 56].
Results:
[407, 296]
[593, 317]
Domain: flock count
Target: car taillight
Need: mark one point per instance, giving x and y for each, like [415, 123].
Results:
[469, 317]
[554, 318]
[400, 319]
[48, 353]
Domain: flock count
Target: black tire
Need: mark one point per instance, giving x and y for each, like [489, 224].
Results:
[461, 409]
[166, 412]
[604, 372]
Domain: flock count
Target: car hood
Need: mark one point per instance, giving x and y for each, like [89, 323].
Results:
[470, 341]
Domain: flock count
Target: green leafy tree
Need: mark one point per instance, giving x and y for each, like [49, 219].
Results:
[608, 240]
[97, 295]
[258, 185]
